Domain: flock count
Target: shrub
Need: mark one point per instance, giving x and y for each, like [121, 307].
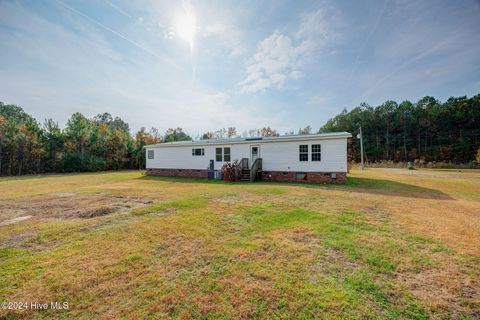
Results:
[75, 162]
[474, 164]
[80, 162]
[97, 164]
[229, 171]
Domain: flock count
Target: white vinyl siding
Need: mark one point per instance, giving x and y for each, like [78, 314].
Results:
[277, 156]
[284, 156]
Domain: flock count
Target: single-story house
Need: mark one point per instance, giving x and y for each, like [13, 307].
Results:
[312, 157]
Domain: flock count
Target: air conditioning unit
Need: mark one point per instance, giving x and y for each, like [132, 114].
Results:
[218, 175]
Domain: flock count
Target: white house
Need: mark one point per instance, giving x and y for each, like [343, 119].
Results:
[312, 157]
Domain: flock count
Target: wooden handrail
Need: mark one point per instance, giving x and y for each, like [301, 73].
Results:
[256, 166]
[243, 164]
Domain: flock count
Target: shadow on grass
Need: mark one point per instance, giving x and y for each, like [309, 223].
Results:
[361, 185]
[391, 187]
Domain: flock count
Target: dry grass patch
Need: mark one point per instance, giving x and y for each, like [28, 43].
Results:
[389, 244]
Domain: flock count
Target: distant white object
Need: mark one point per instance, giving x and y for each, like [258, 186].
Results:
[218, 175]
[360, 136]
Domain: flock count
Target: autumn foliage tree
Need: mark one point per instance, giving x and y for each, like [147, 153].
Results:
[143, 138]
[103, 142]
[21, 147]
[428, 130]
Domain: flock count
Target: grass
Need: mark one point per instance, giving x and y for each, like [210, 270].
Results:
[390, 244]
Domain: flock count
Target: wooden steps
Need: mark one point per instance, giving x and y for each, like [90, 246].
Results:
[245, 175]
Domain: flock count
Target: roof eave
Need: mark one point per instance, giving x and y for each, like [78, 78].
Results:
[325, 136]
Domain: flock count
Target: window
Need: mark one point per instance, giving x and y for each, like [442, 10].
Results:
[316, 152]
[150, 154]
[303, 152]
[222, 153]
[198, 152]
[218, 154]
[226, 154]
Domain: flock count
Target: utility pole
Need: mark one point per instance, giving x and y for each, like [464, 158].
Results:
[360, 136]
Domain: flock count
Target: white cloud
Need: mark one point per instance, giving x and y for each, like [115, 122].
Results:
[228, 35]
[295, 74]
[279, 57]
[312, 25]
[271, 64]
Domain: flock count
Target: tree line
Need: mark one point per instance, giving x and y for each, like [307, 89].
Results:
[100, 143]
[103, 142]
[425, 131]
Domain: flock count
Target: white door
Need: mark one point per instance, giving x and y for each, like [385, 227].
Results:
[254, 154]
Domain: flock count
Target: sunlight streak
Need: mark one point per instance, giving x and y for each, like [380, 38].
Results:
[186, 26]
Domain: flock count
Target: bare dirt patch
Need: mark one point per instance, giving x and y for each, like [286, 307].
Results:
[18, 239]
[14, 220]
[61, 206]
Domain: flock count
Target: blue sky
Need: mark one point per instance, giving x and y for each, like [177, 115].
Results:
[203, 65]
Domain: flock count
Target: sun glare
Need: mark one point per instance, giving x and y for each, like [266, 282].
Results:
[186, 27]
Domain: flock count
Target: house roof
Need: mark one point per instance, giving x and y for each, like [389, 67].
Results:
[293, 137]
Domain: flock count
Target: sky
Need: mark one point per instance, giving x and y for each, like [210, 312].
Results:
[205, 65]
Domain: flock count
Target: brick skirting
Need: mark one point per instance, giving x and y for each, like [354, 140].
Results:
[318, 177]
[195, 173]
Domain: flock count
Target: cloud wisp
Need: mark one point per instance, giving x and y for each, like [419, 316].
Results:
[118, 34]
[280, 57]
[118, 9]
[364, 43]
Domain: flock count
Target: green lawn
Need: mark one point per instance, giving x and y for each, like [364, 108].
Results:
[390, 244]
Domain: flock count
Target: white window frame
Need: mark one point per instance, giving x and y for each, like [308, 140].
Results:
[150, 154]
[222, 154]
[319, 152]
[225, 154]
[217, 154]
[202, 152]
[302, 153]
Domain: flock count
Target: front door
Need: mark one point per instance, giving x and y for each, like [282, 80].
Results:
[254, 153]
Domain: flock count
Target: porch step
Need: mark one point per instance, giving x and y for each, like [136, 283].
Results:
[245, 175]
